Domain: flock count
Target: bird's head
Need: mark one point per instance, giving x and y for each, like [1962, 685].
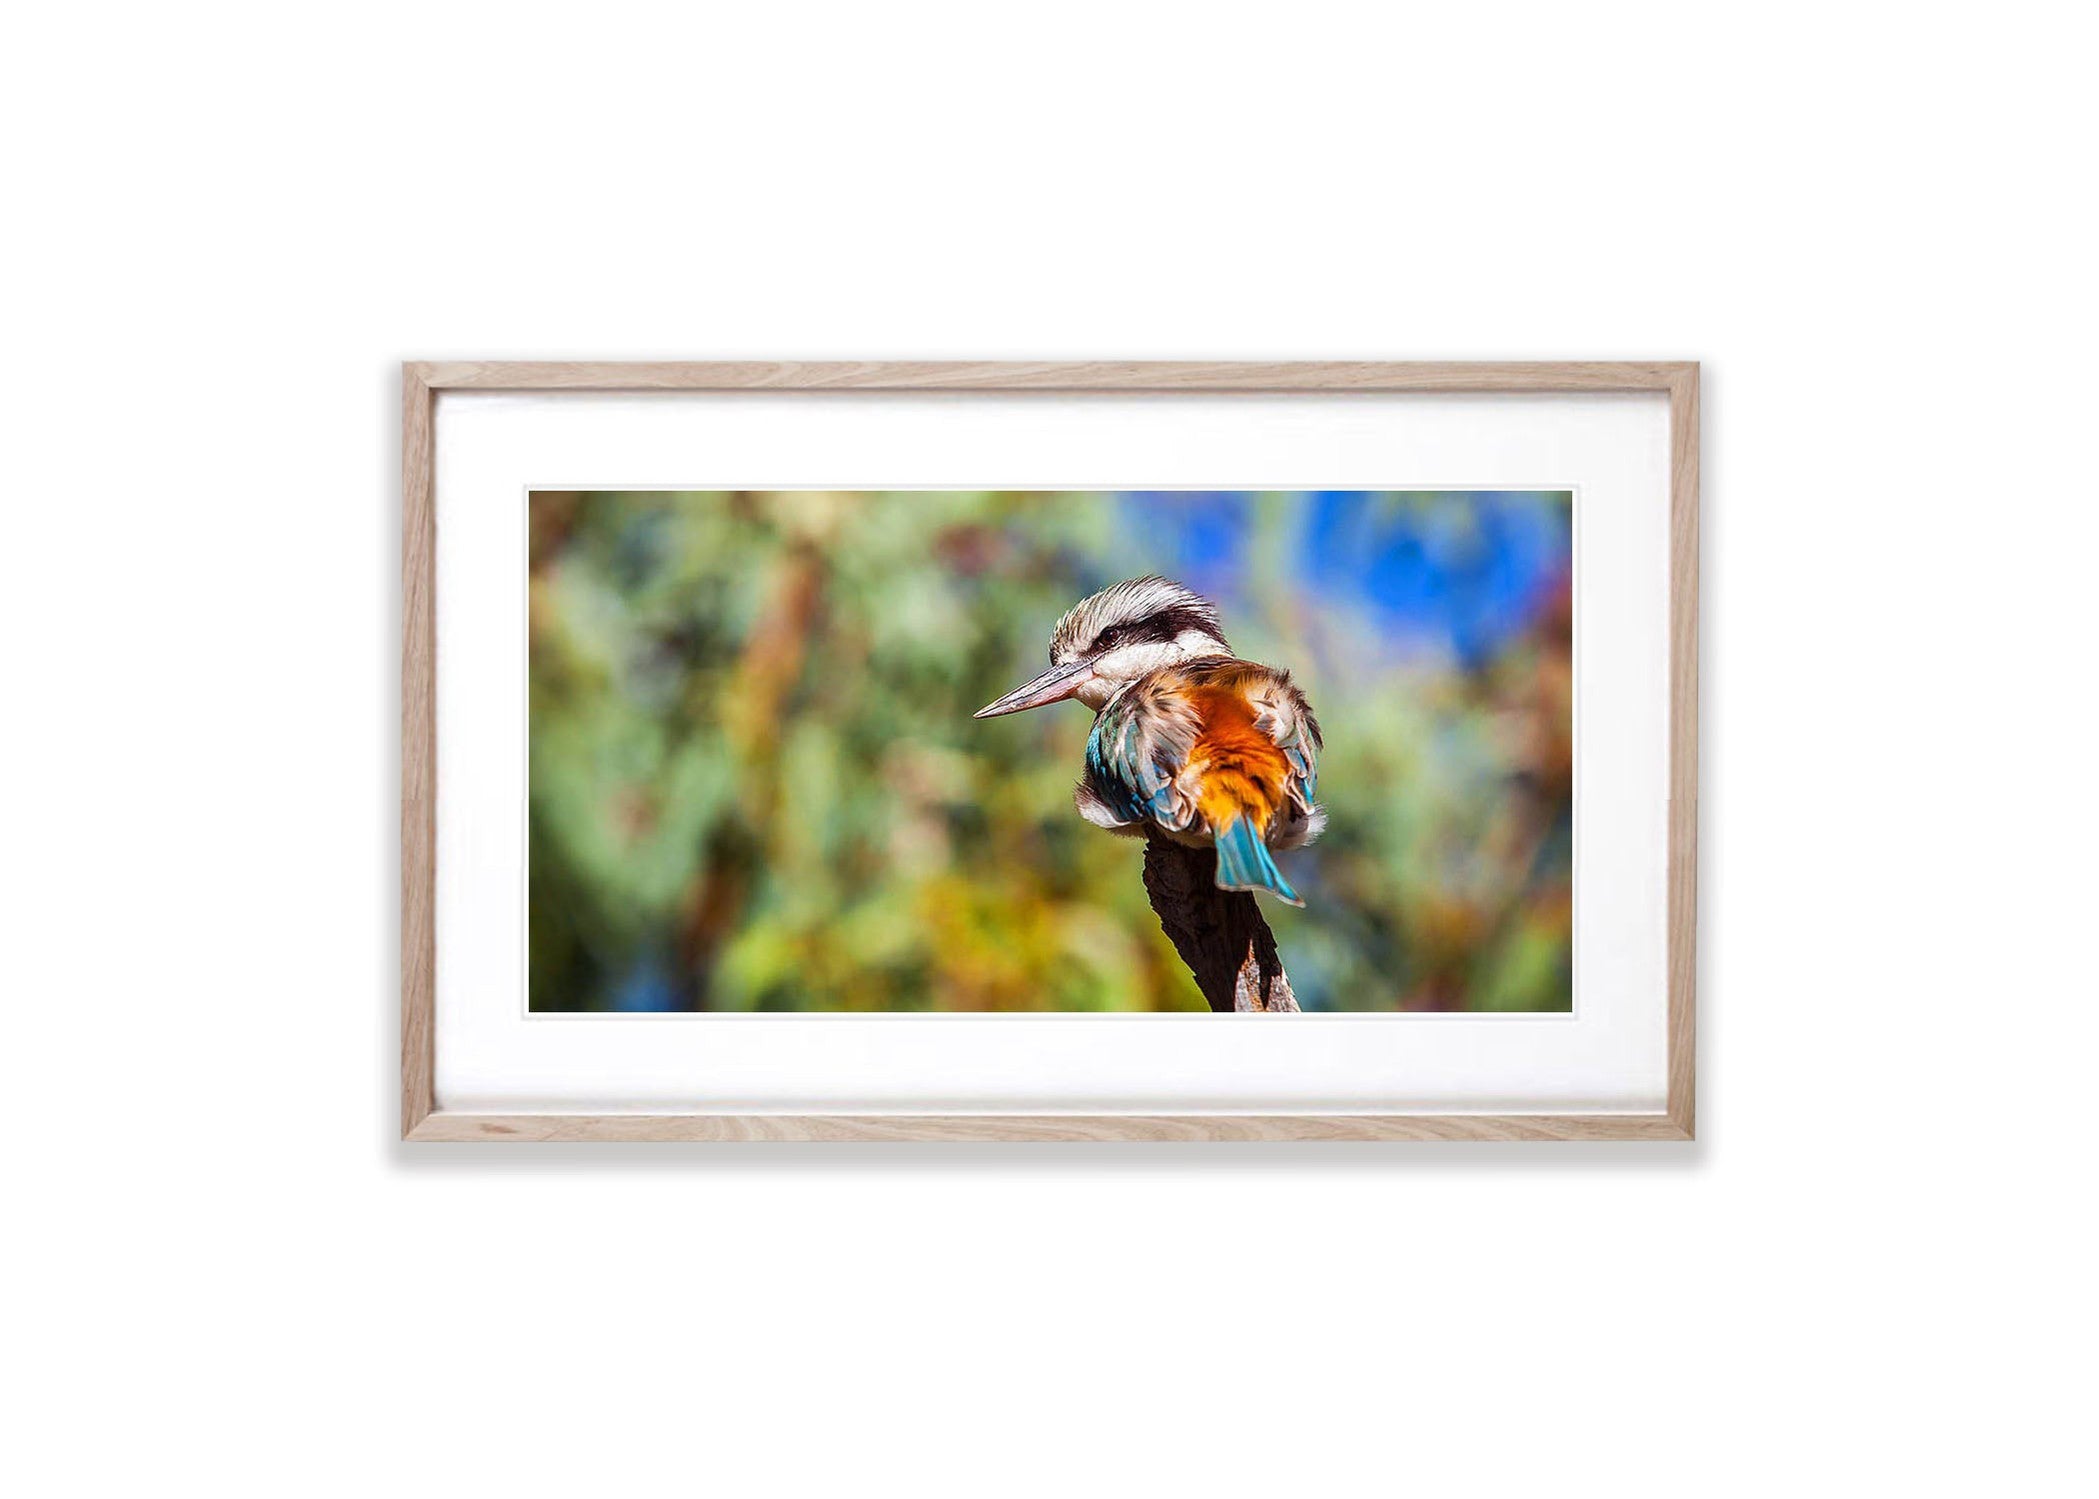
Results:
[1116, 637]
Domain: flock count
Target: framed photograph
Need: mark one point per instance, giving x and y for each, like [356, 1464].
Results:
[1049, 751]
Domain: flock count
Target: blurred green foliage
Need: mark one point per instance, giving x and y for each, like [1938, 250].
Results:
[756, 783]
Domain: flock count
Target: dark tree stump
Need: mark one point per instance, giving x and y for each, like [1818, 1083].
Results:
[1220, 934]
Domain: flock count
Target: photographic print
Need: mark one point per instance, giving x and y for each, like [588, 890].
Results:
[1018, 751]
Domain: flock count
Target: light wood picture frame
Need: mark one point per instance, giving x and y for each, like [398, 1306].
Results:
[422, 383]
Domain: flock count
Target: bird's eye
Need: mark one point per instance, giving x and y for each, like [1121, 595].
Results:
[1108, 638]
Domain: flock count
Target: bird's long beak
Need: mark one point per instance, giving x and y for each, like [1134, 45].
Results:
[1053, 686]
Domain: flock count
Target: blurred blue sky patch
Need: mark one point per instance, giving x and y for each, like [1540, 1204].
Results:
[1448, 572]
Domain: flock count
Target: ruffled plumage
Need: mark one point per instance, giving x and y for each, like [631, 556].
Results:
[1191, 747]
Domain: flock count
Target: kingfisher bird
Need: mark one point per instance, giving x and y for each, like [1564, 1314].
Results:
[1188, 740]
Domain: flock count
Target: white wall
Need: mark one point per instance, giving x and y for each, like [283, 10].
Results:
[228, 224]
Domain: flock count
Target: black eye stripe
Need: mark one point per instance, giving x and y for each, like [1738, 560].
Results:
[1154, 629]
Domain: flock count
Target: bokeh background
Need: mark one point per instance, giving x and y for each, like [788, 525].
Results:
[756, 784]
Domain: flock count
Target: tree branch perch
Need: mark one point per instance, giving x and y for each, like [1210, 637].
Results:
[1220, 934]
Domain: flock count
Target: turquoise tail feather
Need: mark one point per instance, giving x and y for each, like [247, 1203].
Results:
[1243, 863]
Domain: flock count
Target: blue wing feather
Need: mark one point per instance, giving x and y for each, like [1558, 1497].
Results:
[1105, 775]
[1123, 765]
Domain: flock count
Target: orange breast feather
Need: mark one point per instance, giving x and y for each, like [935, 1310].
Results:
[1238, 770]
